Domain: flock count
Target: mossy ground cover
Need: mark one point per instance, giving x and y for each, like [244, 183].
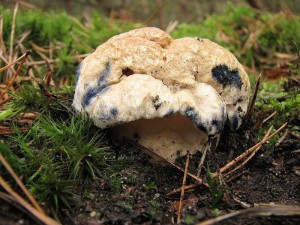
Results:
[80, 176]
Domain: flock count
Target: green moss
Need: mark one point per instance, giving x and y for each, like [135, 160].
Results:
[68, 37]
[153, 208]
[273, 97]
[215, 189]
[232, 29]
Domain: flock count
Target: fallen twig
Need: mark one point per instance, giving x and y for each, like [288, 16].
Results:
[281, 139]
[202, 160]
[11, 200]
[265, 210]
[183, 187]
[188, 187]
[12, 34]
[294, 135]
[51, 61]
[252, 154]
[249, 151]
[241, 203]
[32, 211]
[14, 76]
[20, 183]
[12, 63]
[253, 98]
[269, 117]
[8, 130]
[6, 100]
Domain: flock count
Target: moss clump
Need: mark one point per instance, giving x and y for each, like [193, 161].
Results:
[249, 34]
[64, 36]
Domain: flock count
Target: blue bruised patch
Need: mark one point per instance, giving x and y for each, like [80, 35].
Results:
[207, 127]
[104, 75]
[101, 87]
[223, 75]
[114, 112]
[193, 115]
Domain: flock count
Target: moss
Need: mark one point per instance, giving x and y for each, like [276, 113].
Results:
[67, 36]
[232, 29]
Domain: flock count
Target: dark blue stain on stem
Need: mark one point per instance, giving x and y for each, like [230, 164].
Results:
[101, 87]
[223, 75]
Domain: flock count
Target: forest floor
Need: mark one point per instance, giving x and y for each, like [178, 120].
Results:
[80, 176]
[271, 177]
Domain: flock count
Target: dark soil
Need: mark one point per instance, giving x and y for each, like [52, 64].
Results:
[270, 177]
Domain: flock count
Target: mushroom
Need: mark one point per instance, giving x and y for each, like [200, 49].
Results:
[170, 96]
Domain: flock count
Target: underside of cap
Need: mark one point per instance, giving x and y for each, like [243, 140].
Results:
[170, 137]
[143, 97]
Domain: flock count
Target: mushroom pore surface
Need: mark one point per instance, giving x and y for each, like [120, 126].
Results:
[168, 95]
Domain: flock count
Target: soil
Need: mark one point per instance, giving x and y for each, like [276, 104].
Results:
[272, 176]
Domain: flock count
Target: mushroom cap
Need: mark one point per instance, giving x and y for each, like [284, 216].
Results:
[143, 79]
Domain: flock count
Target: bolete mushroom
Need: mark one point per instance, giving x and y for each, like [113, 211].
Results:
[168, 95]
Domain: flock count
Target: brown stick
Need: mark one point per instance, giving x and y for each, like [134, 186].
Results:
[266, 210]
[269, 117]
[10, 64]
[249, 151]
[34, 212]
[6, 130]
[14, 76]
[281, 139]
[252, 154]
[51, 61]
[20, 183]
[183, 187]
[49, 75]
[253, 98]
[12, 34]
[233, 162]
[2, 45]
[11, 200]
[6, 100]
[188, 187]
